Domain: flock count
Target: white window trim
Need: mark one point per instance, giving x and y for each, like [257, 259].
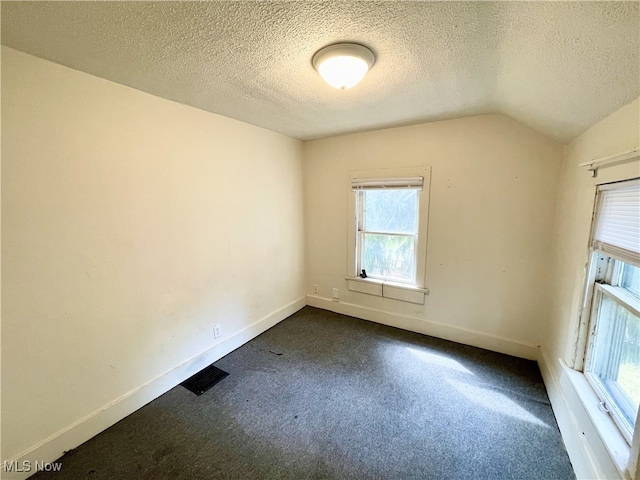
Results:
[595, 269]
[607, 430]
[414, 293]
[626, 458]
[629, 302]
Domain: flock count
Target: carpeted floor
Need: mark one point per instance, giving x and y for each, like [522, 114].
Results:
[324, 396]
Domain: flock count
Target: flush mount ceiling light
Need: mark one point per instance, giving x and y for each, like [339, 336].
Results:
[343, 65]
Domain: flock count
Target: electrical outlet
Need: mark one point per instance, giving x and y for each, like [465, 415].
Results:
[336, 294]
[217, 331]
[315, 289]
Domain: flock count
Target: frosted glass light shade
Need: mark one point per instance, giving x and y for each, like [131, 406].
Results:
[343, 65]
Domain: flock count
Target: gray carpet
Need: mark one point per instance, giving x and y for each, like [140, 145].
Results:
[325, 396]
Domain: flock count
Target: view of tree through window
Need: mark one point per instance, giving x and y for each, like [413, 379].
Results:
[389, 229]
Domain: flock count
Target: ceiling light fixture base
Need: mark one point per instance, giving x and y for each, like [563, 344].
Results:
[343, 65]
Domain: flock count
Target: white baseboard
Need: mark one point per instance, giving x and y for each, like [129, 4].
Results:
[434, 329]
[79, 432]
[573, 438]
[583, 426]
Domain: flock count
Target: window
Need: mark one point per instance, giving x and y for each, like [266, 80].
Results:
[612, 362]
[388, 232]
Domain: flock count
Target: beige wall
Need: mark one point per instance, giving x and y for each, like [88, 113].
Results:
[615, 134]
[492, 203]
[130, 226]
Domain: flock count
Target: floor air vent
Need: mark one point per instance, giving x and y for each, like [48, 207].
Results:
[204, 379]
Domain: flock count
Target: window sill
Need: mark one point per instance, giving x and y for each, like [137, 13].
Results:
[611, 437]
[387, 289]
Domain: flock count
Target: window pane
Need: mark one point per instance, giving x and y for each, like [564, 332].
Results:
[392, 211]
[388, 256]
[631, 279]
[616, 361]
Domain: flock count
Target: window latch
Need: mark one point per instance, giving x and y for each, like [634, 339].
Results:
[603, 407]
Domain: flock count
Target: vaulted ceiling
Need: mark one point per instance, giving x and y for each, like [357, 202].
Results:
[558, 67]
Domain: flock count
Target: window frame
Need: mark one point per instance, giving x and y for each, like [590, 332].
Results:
[361, 232]
[354, 236]
[610, 289]
[604, 269]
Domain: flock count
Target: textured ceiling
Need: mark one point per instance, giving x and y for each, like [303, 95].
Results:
[557, 67]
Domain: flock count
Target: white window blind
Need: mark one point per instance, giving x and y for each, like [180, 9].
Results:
[617, 231]
[390, 183]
